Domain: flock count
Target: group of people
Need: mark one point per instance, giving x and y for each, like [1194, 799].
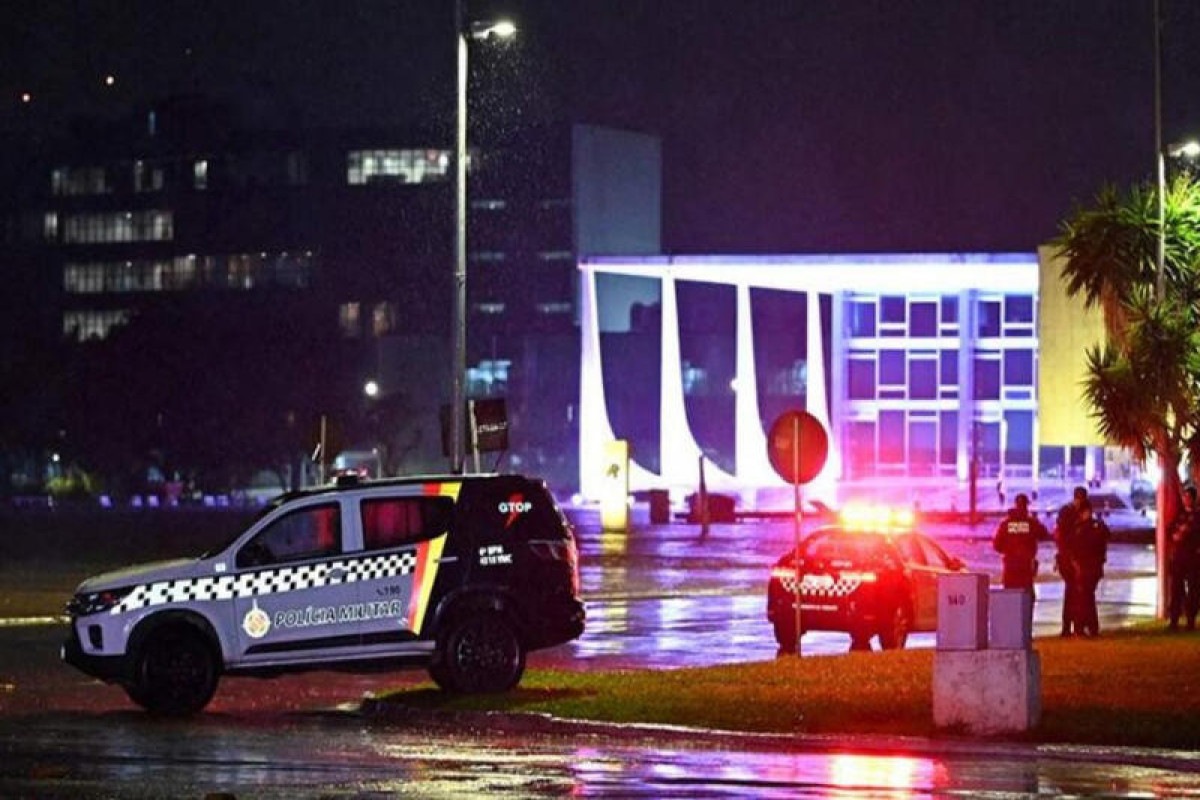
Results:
[1081, 541]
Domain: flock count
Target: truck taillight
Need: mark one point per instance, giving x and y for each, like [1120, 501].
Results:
[560, 550]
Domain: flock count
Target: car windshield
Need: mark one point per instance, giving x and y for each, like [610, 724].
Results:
[837, 544]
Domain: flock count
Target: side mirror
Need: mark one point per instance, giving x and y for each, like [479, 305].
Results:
[957, 563]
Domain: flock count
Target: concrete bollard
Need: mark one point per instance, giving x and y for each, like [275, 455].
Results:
[985, 691]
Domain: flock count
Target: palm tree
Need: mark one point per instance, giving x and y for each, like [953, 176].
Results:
[1143, 385]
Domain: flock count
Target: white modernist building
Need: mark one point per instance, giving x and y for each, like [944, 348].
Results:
[916, 364]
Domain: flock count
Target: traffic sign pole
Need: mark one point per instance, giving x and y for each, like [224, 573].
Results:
[788, 432]
[796, 523]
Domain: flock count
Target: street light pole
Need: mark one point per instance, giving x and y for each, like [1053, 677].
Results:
[458, 361]
[1160, 161]
[463, 30]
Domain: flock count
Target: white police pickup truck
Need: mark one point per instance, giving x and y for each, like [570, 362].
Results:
[462, 575]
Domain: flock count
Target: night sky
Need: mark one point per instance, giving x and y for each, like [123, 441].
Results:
[802, 126]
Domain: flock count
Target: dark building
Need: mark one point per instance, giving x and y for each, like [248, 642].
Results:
[350, 229]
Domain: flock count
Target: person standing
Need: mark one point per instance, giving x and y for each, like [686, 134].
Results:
[1064, 559]
[1016, 540]
[1090, 553]
[1184, 563]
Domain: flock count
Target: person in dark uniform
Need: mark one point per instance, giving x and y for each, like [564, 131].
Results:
[1090, 553]
[1064, 559]
[1184, 563]
[1016, 540]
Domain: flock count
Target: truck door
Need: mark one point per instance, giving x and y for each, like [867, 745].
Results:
[405, 535]
[293, 586]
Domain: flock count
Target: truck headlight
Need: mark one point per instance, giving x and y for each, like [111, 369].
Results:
[86, 603]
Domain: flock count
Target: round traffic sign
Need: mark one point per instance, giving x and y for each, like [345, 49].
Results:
[797, 446]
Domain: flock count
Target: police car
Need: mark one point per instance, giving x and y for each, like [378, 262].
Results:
[462, 575]
[868, 576]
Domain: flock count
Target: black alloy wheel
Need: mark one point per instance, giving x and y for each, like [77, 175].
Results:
[176, 674]
[894, 633]
[481, 653]
[785, 636]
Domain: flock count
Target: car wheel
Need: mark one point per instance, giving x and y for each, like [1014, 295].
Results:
[481, 653]
[175, 675]
[785, 635]
[894, 633]
[860, 641]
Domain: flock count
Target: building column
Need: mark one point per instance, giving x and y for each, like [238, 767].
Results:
[753, 467]
[967, 324]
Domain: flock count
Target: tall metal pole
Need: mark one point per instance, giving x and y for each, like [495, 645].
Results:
[1160, 522]
[458, 364]
[796, 526]
[1160, 159]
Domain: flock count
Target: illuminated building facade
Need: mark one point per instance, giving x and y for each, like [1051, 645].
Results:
[917, 365]
[187, 202]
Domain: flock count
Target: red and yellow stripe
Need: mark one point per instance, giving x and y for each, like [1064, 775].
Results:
[428, 555]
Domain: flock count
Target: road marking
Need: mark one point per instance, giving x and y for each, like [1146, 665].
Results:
[24, 622]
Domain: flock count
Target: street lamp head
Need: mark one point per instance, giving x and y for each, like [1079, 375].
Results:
[1187, 149]
[499, 28]
[371, 389]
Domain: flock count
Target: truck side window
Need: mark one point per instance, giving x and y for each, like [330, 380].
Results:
[306, 533]
[398, 521]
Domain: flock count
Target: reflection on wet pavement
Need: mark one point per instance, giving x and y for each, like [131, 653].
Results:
[661, 596]
[337, 756]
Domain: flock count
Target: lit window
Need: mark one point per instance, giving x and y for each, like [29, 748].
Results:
[553, 308]
[892, 310]
[862, 319]
[488, 205]
[79, 181]
[922, 378]
[396, 166]
[350, 320]
[200, 175]
[84, 325]
[50, 226]
[1018, 367]
[487, 256]
[989, 318]
[556, 255]
[949, 365]
[862, 379]
[489, 308]
[383, 319]
[130, 226]
[987, 378]
[923, 319]
[891, 368]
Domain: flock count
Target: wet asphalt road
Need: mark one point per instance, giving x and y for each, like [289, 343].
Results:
[657, 598]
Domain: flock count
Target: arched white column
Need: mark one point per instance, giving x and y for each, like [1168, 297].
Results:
[753, 465]
[595, 428]
[680, 452]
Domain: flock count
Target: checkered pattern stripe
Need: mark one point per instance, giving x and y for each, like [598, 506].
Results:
[267, 581]
[819, 586]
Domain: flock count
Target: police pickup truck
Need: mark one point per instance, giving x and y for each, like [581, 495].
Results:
[463, 575]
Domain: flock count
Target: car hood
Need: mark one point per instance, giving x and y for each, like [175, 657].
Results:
[141, 573]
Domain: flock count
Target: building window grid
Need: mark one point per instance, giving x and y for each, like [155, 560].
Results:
[127, 226]
[1009, 328]
[398, 166]
[76, 181]
[92, 324]
[238, 271]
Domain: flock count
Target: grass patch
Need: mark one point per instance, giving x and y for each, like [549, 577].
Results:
[1136, 687]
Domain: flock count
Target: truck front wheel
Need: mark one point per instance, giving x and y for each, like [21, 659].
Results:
[175, 673]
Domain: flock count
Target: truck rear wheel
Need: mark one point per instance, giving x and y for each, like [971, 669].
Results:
[894, 633]
[480, 653]
[175, 674]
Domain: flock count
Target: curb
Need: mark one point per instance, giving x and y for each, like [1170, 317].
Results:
[542, 724]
